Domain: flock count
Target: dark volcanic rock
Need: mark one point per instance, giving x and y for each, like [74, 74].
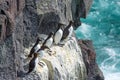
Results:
[8, 13]
[9, 10]
[80, 9]
[89, 56]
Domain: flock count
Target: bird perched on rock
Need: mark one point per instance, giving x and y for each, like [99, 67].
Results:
[67, 31]
[58, 34]
[35, 47]
[49, 40]
[33, 63]
[41, 51]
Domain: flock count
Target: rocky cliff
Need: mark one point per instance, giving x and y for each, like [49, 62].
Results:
[22, 21]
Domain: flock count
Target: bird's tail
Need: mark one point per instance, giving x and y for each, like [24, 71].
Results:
[30, 55]
[28, 72]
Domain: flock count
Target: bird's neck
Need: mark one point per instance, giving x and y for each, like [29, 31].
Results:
[70, 24]
[50, 36]
[36, 42]
[35, 57]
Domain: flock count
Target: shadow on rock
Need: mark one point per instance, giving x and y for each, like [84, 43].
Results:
[21, 74]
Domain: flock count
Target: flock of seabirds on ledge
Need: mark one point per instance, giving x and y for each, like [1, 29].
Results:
[38, 51]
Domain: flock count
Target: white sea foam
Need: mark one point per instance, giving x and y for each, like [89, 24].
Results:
[110, 51]
[85, 30]
[111, 75]
[118, 3]
[108, 66]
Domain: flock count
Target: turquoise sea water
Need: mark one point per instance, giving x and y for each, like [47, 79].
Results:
[102, 25]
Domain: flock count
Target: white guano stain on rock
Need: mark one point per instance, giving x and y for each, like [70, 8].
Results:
[65, 63]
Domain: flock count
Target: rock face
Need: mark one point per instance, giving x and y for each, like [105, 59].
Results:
[8, 14]
[22, 21]
[80, 9]
[89, 56]
[65, 63]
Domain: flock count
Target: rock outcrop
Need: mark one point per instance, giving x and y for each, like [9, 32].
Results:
[65, 63]
[22, 21]
[80, 9]
[89, 56]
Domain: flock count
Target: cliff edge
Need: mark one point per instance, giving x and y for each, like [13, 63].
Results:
[22, 21]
